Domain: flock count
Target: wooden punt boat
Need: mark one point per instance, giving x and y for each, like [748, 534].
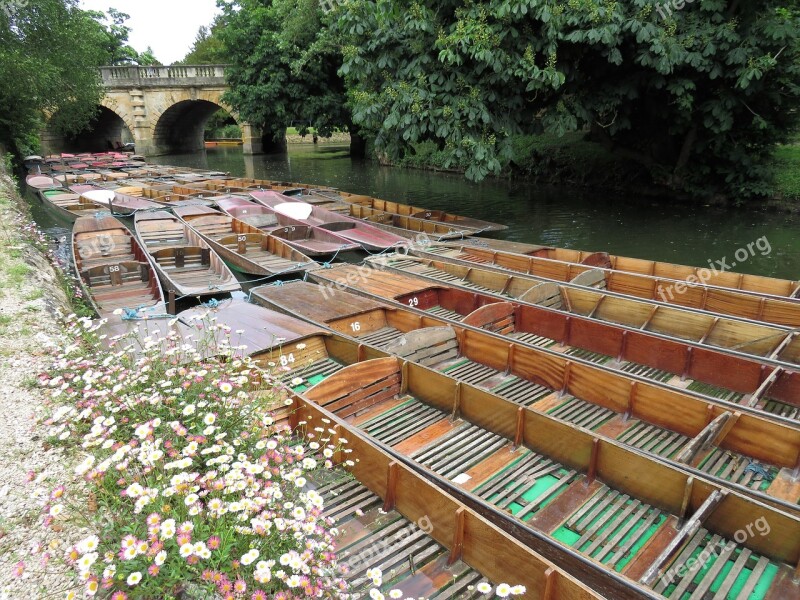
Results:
[635, 516]
[663, 270]
[311, 241]
[245, 248]
[661, 422]
[732, 380]
[749, 305]
[770, 341]
[425, 552]
[408, 227]
[183, 260]
[42, 182]
[118, 202]
[368, 237]
[465, 224]
[113, 269]
[67, 204]
[630, 517]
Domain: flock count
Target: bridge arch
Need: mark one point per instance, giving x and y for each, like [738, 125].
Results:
[181, 126]
[108, 130]
[164, 107]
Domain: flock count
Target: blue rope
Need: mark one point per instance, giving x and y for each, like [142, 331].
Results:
[213, 303]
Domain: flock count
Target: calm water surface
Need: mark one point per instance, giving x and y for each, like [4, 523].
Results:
[558, 216]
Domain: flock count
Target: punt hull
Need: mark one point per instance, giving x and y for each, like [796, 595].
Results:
[583, 395]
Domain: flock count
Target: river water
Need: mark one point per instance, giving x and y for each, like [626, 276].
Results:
[559, 216]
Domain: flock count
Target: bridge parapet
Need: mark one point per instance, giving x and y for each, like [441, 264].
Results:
[169, 76]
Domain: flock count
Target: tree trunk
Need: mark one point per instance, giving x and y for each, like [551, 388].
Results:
[358, 146]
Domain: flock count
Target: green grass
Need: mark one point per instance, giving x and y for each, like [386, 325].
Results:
[293, 131]
[17, 273]
[787, 172]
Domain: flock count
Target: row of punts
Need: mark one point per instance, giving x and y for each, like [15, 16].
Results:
[560, 420]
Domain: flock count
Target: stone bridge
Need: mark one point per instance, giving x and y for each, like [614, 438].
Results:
[163, 110]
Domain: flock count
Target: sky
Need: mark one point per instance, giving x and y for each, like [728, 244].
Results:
[167, 26]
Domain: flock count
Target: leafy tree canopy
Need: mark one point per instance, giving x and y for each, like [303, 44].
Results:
[111, 34]
[49, 54]
[48, 64]
[208, 48]
[700, 95]
[283, 65]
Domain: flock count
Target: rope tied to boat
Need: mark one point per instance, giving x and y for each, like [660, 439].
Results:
[132, 314]
[757, 469]
[213, 303]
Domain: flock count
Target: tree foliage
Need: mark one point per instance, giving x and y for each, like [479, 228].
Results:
[701, 96]
[208, 48]
[49, 54]
[47, 65]
[284, 70]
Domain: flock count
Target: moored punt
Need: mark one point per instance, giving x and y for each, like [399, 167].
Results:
[118, 202]
[66, 203]
[774, 342]
[736, 448]
[717, 273]
[113, 269]
[42, 182]
[559, 489]
[311, 241]
[749, 305]
[731, 379]
[301, 213]
[246, 248]
[184, 261]
[634, 516]
[465, 224]
[627, 514]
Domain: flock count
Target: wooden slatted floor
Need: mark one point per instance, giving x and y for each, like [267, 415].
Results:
[527, 485]
[654, 439]
[408, 557]
[610, 526]
[728, 571]
[401, 422]
[459, 450]
[582, 413]
[738, 468]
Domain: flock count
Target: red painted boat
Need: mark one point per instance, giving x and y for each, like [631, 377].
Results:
[302, 213]
[311, 241]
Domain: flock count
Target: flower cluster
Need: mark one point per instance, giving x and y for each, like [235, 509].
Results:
[187, 480]
[191, 478]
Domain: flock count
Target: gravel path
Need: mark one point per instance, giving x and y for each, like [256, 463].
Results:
[31, 297]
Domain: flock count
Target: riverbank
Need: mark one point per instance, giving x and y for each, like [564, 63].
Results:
[32, 298]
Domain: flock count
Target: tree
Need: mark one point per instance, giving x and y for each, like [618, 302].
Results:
[283, 66]
[48, 65]
[111, 33]
[208, 47]
[700, 95]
